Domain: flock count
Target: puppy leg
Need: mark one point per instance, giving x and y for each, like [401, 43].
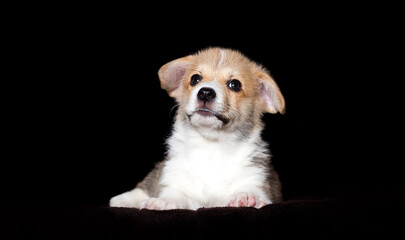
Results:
[130, 199]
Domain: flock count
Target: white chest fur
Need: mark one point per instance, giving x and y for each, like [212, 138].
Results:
[210, 172]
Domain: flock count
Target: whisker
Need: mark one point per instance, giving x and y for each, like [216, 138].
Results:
[172, 109]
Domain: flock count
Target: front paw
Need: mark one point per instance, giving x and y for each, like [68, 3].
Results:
[246, 200]
[157, 204]
[122, 200]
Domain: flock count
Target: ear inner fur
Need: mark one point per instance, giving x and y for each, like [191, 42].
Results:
[270, 94]
[172, 74]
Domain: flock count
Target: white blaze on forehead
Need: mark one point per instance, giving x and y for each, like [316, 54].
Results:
[222, 54]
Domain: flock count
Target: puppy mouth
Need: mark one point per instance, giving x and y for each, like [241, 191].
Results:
[209, 113]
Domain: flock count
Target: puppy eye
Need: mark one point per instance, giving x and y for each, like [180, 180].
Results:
[195, 79]
[235, 85]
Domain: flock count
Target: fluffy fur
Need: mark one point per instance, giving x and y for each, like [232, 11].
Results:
[216, 156]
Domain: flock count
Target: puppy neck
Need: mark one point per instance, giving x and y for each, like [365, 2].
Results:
[230, 134]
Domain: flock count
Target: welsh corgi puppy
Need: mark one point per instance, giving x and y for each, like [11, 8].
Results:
[216, 156]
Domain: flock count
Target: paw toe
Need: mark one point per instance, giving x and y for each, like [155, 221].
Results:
[157, 204]
[246, 200]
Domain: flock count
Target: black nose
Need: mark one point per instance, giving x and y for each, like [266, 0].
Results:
[206, 94]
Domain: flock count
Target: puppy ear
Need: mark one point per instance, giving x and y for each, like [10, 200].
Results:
[270, 96]
[172, 73]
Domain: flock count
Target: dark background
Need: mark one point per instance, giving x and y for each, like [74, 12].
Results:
[85, 118]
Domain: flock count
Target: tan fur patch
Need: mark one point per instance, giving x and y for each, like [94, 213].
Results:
[222, 65]
[214, 66]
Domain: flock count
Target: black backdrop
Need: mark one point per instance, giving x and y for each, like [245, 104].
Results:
[86, 118]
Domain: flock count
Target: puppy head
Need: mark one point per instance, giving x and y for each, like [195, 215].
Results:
[219, 89]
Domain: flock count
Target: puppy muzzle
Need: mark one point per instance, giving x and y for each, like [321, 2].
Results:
[209, 113]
